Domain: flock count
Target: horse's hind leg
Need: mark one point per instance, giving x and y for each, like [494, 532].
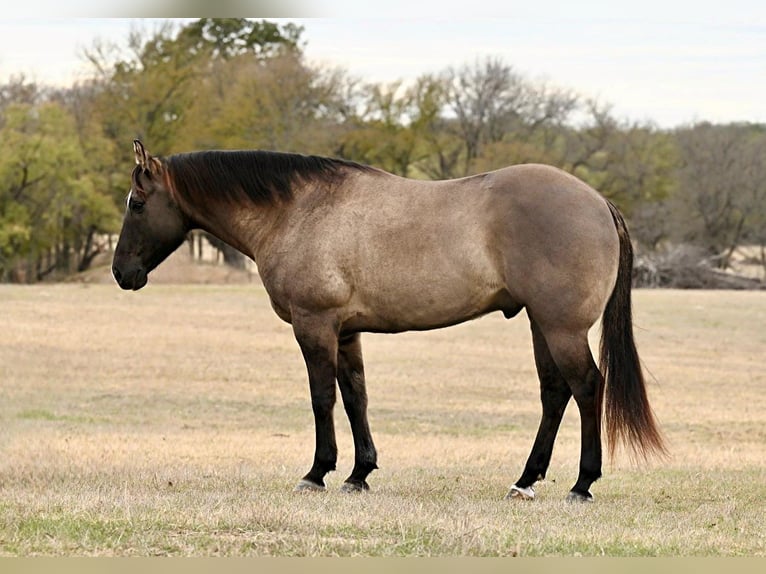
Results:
[554, 394]
[354, 392]
[572, 355]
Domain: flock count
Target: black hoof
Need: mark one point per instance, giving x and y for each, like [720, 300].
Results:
[306, 485]
[579, 497]
[355, 486]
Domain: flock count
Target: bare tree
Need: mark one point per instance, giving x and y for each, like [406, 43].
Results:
[17, 90]
[493, 104]
[722, 186]
[485, 98]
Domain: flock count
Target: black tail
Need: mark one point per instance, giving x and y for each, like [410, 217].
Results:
[629, 417]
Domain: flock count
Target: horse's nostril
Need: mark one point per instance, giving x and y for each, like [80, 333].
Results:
[117, 274]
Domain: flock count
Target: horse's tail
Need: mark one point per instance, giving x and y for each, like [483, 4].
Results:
[629, 417]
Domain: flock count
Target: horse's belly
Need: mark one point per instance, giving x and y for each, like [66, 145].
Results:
[427, 306]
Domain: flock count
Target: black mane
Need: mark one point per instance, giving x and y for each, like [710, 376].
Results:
[263, 177]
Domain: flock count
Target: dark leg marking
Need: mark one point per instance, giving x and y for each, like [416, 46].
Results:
[354, 393]
[319, 345]
[554, 395]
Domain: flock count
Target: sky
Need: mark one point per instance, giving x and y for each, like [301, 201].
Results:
[664, 62]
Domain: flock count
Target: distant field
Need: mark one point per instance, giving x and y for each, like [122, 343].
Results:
[176, 421]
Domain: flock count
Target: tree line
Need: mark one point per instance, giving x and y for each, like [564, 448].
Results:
[240, 83]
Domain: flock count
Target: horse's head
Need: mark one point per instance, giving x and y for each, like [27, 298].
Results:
[154, 225]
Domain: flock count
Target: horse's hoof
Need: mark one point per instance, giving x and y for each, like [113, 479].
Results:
[354, 487]
[308, 486]
[520, 493]
[579, 497]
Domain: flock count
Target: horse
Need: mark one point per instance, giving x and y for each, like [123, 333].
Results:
[344, 248]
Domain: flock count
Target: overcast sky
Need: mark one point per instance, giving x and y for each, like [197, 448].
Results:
[667, 62]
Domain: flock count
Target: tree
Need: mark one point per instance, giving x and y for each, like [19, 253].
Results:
[52, 206]
[492, 104]
[227, 38]
[402, 129]
[278, 103]
[146, 94]
[440, 149]
[484, 98]
[18, 91]
[380, 135]
[630, 163]
[151, 93]
[722, 186]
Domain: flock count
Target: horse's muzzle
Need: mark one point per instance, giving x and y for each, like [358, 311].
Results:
[132, 279]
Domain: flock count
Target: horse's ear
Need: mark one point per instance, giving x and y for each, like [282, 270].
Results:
[140, 152]
[148, 163]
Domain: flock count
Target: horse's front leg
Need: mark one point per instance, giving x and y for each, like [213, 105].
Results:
[354, 393]
[318, 339]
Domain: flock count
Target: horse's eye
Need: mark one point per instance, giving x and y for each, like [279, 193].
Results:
[136, 206]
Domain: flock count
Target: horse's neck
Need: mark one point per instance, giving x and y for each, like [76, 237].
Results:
[254, 229]
[242, 227]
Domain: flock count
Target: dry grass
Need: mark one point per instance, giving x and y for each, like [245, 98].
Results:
[175, 421]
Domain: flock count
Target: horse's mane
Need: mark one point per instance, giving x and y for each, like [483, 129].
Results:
[262, 177]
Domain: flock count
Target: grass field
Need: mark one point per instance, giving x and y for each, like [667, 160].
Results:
[176, 421]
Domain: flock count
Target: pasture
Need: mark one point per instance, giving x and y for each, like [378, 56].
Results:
[177, 420]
